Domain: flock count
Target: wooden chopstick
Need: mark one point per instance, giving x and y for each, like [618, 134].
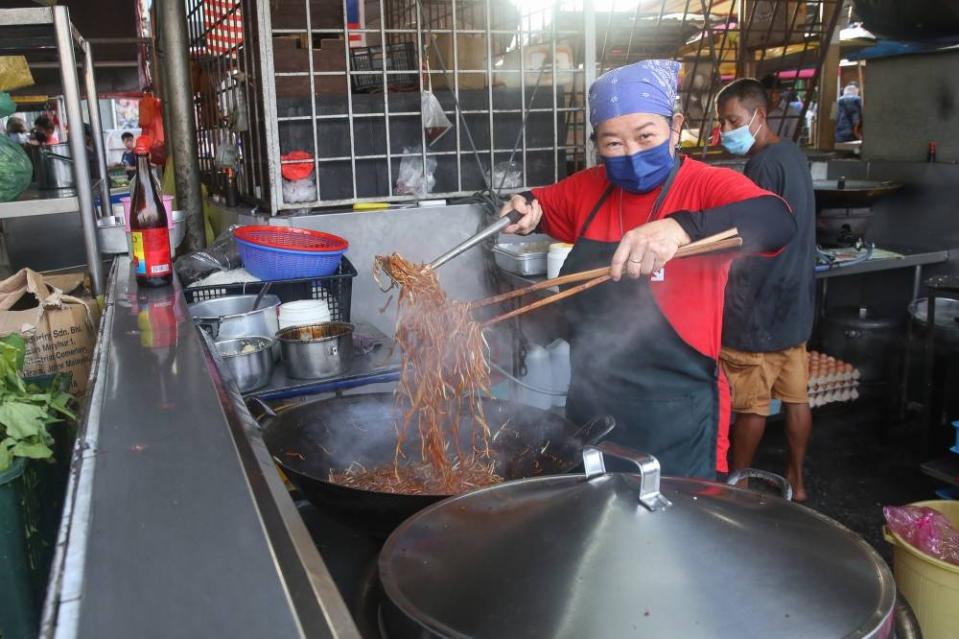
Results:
[726, 240]
[729, 237]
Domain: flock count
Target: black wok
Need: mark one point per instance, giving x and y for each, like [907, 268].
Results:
[310, 440]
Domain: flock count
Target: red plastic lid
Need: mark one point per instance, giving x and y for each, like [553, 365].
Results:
[143, 144]
[286, 237]
[293, 170]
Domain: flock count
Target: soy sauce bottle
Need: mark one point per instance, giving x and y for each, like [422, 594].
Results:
[149, 229]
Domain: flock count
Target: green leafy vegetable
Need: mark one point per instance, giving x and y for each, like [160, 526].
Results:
[26, 409]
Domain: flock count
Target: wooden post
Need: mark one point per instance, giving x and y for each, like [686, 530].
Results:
[828, 84]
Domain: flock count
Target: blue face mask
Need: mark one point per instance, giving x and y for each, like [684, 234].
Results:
[642, 171]
[739, 140]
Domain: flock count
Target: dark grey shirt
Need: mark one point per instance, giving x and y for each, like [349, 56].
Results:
[770, 301]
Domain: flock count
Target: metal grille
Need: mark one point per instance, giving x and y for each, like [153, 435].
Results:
[345, 90]
[223, 58]
[782, 42]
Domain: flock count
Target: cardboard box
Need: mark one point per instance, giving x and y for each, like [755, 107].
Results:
[60, 329]
[471, 55]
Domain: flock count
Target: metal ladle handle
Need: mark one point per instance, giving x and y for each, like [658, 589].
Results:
[647, 465]
[512, 217]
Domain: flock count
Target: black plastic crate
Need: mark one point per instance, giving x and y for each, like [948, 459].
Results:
[336, 289]
[399, 57]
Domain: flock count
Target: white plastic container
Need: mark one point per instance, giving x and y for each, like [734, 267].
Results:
[560, 369]
[304, 313]
[538, 375]
[558, 251]
[167, 204]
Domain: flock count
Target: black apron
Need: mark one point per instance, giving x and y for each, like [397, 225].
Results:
[628, 361]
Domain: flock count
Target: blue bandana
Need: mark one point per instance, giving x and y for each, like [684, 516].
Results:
[648, 86]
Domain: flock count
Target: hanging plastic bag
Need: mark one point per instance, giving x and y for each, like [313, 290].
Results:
[435, 121]
[149, 109]
[7, 105]
[507, 175]
[227, 153]
[414, 178]
[14, 73]
[220, 255]
[926, 529]
[16, 170]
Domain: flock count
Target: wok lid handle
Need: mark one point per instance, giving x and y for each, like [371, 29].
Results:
[780, 482]
[647, 465]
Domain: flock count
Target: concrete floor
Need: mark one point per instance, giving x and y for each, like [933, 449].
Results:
[852, 471]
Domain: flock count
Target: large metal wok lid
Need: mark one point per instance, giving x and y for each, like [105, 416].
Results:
[849, 194]
[599, 556]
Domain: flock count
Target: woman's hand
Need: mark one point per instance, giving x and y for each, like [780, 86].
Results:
[532, 212]
[645, 249]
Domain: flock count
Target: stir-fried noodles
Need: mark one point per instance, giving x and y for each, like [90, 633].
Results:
[444, 374]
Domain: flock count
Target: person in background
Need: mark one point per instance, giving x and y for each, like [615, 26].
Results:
[644, 347]
[849, 118]
[128, 159]
[769, 302]
[783, 115]
[17, 130]
[44, 132]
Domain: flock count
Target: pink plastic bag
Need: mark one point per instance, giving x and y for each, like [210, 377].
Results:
[926, 529]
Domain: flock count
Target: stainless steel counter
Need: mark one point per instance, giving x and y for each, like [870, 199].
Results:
[910, 259]
[177, 523]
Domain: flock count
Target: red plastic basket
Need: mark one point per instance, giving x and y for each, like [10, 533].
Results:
[292, 239]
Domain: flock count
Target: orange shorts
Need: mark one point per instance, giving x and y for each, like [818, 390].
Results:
[757, 378]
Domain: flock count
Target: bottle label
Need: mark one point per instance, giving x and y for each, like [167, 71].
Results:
[151, 252]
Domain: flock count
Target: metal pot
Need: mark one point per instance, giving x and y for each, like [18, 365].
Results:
[316, 350]
[624, 555]
[112, 235]
[947, 317]
[53, 166]
[231, 316]
[870, 342]
[248, 360]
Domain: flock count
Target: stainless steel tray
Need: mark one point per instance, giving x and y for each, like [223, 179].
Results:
[522, 258]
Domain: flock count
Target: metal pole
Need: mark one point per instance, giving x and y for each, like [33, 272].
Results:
[78, 150]
[181, 137]
[589, 74]
[96, 127]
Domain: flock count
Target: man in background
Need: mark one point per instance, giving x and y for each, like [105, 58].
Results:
[849, 117]
[128, 159]
[17, 130]
[44, 131]
[783, 114]
[769, 307]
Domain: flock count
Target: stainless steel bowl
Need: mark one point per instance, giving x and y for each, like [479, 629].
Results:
[248, 360]
[231, 316]
[316, 350]
[112, 235]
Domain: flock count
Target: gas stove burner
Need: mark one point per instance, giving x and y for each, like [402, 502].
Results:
[842, 227]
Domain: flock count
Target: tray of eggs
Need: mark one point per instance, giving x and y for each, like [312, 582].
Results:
[831, 380]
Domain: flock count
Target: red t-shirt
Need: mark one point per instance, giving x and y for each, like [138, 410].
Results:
[691, 292]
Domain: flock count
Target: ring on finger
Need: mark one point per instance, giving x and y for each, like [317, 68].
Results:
[639, 261]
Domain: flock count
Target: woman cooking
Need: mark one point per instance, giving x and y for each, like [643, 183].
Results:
[645, 347]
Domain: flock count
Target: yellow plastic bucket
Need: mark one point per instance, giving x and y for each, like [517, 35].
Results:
[931, 586]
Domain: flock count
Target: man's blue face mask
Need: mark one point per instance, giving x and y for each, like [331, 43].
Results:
[739, 140]
[642, 171]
